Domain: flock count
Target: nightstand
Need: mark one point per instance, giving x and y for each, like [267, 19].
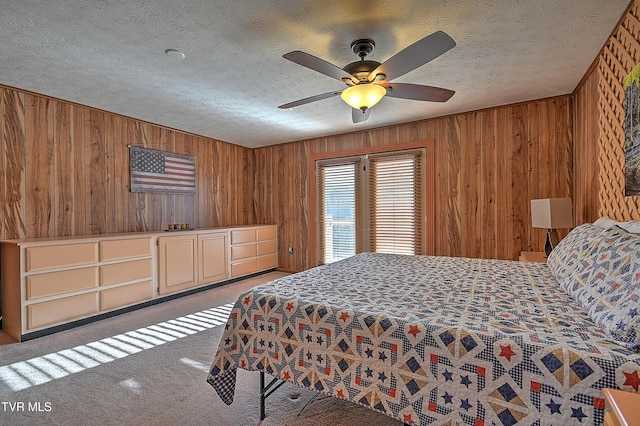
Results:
[533, 256]
[623, 408]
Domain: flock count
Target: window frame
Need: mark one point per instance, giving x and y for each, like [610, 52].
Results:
[357, 162]
[428, 194]
[417, 155]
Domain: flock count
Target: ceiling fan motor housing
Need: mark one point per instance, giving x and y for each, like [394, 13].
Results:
[361, 69]
[363, 47]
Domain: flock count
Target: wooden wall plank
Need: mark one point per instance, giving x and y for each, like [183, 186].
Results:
[490, 235]
[503, 194]
[3, 148]
[563, 152]
[95, 161]
[586, 187]
[39, 201]
[120, 174]
[15, 164]
[469, 184]
[454, 238]
[15, 143]
[64, 169]
[206, 204]
[540, 140]
[214, 210]
[518, 199]
[441, 181]
[80, 177]
[111, 127]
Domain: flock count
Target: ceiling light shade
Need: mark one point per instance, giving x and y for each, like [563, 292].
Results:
[363, 96]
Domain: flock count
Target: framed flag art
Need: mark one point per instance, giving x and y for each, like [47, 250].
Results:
[161, 171]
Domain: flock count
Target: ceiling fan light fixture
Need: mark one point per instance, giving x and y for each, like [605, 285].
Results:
[363, 96]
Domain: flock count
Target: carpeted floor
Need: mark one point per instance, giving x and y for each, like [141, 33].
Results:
[149, 367]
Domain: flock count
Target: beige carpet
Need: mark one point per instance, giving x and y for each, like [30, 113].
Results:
[149, 367]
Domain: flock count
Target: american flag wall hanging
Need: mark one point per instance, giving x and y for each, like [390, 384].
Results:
[160, 171]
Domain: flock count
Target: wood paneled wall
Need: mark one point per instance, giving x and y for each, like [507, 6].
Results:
[489, 165]
[65, 171]
[586, 171]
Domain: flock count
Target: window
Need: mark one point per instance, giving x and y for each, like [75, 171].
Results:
[370, 203]
[395, 203]
[338, 184]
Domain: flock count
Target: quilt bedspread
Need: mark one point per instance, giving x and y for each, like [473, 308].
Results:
[429, 340]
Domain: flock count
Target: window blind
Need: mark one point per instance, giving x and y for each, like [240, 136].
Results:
[395, 203]
[337, 194]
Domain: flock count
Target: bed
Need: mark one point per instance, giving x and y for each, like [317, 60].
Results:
[442, 340]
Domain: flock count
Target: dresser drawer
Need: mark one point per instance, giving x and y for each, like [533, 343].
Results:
[113, 298]
[241, 236]
[55, 283]
[267, 247]
[125, 271]
[267, 262]
[243, 252]
[125, 249]
[268, 233]
[60, 256]
[243, 268]
[61, 310]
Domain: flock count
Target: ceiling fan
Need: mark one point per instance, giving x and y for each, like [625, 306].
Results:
[369, 81]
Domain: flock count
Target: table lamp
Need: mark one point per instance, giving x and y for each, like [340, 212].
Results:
[551, 213]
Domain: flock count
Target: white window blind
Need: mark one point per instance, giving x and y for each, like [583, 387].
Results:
[337, 194]
[370, 203]
[395, 203]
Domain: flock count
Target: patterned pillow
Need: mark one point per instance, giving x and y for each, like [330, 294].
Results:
[571, 259]
[610, 292]
[632, 226]
[600, 269]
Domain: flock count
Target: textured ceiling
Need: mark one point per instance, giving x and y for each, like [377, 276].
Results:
[110, 54]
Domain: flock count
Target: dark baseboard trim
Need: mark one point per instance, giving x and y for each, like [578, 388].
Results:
[85, 321]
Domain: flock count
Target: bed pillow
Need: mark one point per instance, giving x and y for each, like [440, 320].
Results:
[610, 291]
[632, 226]
[571, 259]
[605, 222]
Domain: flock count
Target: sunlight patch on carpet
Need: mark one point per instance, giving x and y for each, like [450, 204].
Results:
[133, 385]
[36, 371]
[195, 364]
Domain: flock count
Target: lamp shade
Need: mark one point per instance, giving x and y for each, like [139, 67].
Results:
[363, 95]
[551, 213]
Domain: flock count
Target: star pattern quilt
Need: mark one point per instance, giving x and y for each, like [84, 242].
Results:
[429, 340]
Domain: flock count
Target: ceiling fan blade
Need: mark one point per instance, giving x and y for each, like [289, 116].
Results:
[414, 56]
[310, 99]
[418, 92]
[358, 116]
[319, 65]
